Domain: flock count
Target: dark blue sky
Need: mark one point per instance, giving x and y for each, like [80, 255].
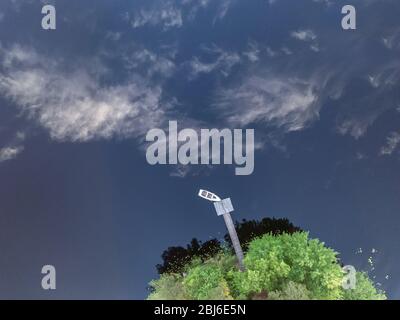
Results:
[76, 103]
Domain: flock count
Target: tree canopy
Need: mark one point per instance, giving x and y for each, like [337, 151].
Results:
[283, 266]
[176, 258]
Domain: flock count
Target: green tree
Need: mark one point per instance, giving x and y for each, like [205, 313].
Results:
[278, 267]
[364, 290]
[248, 230]
[291, 291]
[206, 282]
[176, 258]
[273, 261]
[168, 287]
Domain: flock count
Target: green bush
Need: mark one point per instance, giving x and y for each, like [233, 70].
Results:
[205, 280]
[291, 291]
[278, 267]
[364, 290]
[273, 261]
[168, 287]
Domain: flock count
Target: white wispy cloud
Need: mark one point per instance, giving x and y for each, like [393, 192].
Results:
[304, 35]
[73, 104]
[360, 111]
[168, 16]
[289, 104]
[9, 153]
[392, 39]
[385, 75]
[223, 9]
[253, 52]
[195, 6]
[155, 64]
[392, 142]
[224, 62]
[13, 148]
[286, 51]
[220, 7]
[308, 36]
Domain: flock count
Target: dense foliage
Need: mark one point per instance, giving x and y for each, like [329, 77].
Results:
[176, 258]
[364, 290]
[248, 230]
[278, 267]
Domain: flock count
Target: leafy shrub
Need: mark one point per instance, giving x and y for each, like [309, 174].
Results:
[207, 281]
[168, 287]
[249, 230]
[291, 291]
[176, 258]
[273, 261]
[278, 267]
[364, 290]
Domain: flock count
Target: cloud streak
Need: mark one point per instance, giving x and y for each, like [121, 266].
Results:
[289, 104]
[392, 142]
[9, 153]
[75, 105]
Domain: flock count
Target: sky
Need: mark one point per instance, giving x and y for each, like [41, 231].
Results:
[76, 103]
